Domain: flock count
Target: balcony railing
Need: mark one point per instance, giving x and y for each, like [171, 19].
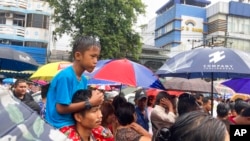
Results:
[13, 30]
[13, 3]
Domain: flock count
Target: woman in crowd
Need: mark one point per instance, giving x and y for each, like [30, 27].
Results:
[103, 132]
[128, 130]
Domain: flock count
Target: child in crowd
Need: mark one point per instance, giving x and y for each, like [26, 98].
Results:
[59, 108]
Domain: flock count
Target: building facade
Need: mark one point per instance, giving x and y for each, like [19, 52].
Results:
[25, 26]
[183, 25]
[229, 24]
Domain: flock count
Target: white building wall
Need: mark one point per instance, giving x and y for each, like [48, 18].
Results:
[219, 7]
[148, 33]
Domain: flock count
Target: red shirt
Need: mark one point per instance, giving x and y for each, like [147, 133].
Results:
[102, 134]
[231, 119]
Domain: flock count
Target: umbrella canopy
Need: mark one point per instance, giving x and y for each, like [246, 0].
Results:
[241, 96]
[189, 85]
[126, 72]
[9, 80]
[222, 89]
[153, 92]
[20, 123]
[215, 62]
[15, 60]
[17, 74]
[239, 85]
[48, 71]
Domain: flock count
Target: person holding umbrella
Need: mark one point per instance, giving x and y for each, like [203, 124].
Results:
[59, 107]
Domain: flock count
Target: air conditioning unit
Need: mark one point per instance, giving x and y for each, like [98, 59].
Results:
[8, 15]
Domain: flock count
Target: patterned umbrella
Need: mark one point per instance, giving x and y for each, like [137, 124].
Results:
[126, 72]
[20, 123]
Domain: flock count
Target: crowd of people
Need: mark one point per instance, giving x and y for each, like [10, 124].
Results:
[84, 113]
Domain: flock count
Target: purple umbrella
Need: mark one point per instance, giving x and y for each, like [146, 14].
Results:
[239, 85]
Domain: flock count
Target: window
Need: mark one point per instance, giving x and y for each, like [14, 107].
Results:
[38, 20]
[2, 18]
[18, 20]
[36, 44]
[17, 43]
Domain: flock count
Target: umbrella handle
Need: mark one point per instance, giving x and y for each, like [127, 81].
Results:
[120, 89]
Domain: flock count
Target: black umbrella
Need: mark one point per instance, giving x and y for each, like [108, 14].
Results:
[207, 62]
[11, 59]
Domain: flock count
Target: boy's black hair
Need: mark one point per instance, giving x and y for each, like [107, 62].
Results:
[83, 43]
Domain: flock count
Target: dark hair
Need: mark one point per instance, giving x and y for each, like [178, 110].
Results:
[222, 109]
[107, 109]
[162, 94]
[240, 105]
[125, 113]
[246, 112]
[232, 106]
[197, 126]
[82, 95]
[19, 81]
[118, 100]
[205, 100]
[83, 43]
[198, 95]
[163, 134]
[187, 103]
[44, 90]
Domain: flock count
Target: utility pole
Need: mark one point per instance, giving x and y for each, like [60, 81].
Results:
[226, 33]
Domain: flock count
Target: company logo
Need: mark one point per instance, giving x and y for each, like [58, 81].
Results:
[24, 58]
[190, 21]
[214, 58]
[217, 56]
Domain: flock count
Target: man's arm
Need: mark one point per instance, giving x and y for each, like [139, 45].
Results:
[96, 99]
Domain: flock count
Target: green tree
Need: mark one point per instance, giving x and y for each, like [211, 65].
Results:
[109, 20]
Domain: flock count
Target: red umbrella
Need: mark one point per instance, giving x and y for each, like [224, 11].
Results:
[154, 92]
[126, 72]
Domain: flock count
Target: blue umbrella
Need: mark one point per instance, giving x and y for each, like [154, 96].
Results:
[239, 85]
[92, 81]
[216, 62]
[11, 59]
[212, 62]
[9, 80]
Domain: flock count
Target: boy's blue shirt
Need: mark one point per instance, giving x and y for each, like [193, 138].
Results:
[61, 91]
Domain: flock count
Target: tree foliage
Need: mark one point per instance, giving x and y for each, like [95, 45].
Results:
[109, 20]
